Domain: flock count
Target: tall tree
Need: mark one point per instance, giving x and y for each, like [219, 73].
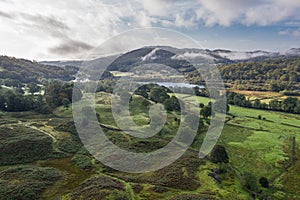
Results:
[33, 88]
[219, 155]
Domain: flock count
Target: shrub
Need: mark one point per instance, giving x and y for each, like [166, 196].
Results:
[250, 182]
[21, 144]
[82, 161]
[219, 154]
[26, 182]
[264, 182]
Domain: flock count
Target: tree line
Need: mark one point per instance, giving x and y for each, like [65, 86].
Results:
[56, 94]
[290, 104]
[272, 74]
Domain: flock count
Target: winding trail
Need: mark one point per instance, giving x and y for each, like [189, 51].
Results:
[54, 139]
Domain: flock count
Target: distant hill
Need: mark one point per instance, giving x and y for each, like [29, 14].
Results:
[149, 55]
[27, 71]
[173, 56]
[252, 66]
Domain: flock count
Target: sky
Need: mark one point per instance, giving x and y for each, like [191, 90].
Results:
[68, 29]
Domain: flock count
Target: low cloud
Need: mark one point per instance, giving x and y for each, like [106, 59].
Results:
[6, 15]
[71, 47]
[46, 24]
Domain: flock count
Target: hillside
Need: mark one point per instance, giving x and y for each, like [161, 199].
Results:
[275, 74]
[149, 55]
[26, 71]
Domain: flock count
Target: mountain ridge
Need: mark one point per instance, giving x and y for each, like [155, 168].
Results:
[219, 55]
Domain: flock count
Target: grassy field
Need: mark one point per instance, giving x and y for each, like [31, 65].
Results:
[261, 147]
[264, 96]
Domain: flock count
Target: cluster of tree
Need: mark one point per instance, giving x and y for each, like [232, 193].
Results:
[159, 94]
[11, 101]
[290, 93]
[206, 110]
[12, 83]
[275, 73]
[272, 74]
[219, 105]
[290, 104]
[106, 85]
[25, 71]
[33, 88]
[60, 93]
[275, 86]
[56, 94]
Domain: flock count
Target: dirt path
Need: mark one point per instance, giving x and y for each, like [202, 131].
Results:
[54, 139]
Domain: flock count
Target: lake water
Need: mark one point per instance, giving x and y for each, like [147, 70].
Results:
[175, 85]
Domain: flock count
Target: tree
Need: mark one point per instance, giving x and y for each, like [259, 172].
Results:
[2, 103]
[257, 104]
[172, 104]
[197, 91]
[142, 93]
[275, 105]
[19, 90]
[16, 102]
[263, 181]
[206, 112]
[289, 104]
[33, 88]
[239, 99]
[66, 103]
[57, 91]
[158, 95]
[41, 106]
[219, 155]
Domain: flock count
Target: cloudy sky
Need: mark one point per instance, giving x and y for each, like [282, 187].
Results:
[67, 29]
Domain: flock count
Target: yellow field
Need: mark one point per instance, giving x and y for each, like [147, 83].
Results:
[265, 96]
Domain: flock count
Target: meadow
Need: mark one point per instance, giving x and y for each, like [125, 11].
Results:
[260, 146]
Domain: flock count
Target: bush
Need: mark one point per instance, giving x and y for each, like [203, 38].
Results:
[250, 182]
[26, 182]
[82, 161]
[219, 154]
[137, 188]
[21, 144]
[102, 187]
[264, 182]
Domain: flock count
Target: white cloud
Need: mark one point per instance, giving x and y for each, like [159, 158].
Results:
[180, 21]
[291, 32]
[192, 55]
[255, 12]
[51, 25]
[143, 19]
[58, 25]
[157, 7]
